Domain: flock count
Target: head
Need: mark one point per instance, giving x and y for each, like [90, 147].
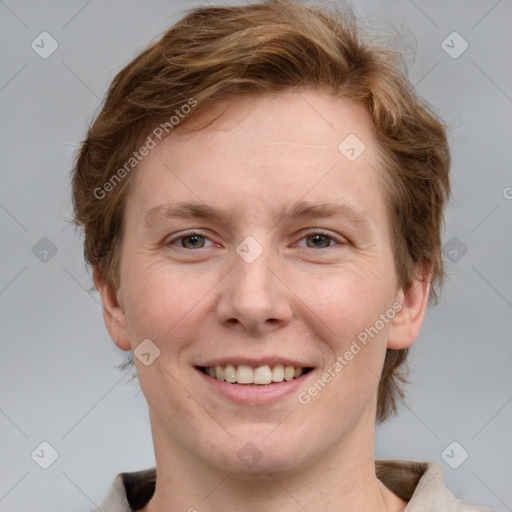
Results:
[249, 110]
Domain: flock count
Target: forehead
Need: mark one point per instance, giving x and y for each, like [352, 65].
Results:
[308, 118]
[269, 149]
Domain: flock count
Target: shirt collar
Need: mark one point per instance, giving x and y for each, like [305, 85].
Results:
[421, 484]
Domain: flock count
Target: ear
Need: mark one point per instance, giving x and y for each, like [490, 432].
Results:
[405, 326]
[113, 313]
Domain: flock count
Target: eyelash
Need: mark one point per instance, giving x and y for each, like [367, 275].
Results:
[306, 235]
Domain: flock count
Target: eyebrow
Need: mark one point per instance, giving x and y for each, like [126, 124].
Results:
[299, 210]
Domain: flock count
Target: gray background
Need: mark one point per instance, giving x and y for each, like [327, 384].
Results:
[58, 378]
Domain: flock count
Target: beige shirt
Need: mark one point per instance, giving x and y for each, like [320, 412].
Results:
[421, 484]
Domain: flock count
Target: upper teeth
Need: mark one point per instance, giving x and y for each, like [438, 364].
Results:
[243, 374]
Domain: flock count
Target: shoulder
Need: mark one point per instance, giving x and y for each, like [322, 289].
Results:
[422, 485]
[129, 491]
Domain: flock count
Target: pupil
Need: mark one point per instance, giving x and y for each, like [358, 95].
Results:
[317, 240]
[193, 240]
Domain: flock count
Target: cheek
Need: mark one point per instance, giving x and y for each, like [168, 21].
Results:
[343, 310]
[356, 350]
[161, 302]
[346, 301]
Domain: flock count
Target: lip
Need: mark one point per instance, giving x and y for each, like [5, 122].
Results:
[247, 394]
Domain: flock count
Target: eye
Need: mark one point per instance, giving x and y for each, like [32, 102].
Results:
[320, 240]
[190, 241]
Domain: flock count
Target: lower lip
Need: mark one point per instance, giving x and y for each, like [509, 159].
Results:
[246, 394]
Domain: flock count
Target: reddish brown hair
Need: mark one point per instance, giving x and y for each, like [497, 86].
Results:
[215, 52]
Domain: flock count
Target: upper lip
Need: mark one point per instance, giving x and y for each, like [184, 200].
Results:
[254, 362]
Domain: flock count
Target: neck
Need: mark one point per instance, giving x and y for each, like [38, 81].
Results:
[342, 479]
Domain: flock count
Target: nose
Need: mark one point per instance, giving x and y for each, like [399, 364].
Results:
[254, 296]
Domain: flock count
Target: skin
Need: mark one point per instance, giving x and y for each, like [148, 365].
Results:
[295, 300]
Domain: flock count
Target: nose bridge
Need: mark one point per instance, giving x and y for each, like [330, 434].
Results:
[252, 267]
[253, 296]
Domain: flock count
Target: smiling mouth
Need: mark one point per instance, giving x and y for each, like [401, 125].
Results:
[262, 375]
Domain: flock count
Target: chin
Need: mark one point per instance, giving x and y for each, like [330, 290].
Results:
[260, 455]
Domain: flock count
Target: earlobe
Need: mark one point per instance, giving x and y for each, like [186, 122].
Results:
[406, 324]
[113, 313]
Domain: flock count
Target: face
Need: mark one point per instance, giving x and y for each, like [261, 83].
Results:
[253, 246]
